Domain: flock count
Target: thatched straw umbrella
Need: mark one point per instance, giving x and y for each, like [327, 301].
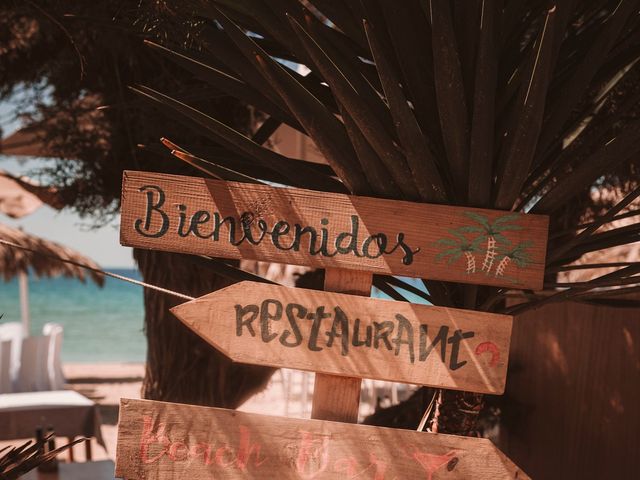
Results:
[20, 196]
[41, 258]
[24, 142]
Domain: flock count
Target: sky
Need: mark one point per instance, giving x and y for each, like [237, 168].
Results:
[66, 227]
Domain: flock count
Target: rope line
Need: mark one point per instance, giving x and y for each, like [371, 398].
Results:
[427, 412]
[100, 271]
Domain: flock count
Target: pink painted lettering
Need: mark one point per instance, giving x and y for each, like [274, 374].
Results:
[313, 455]
[245, 450]
[149, 438]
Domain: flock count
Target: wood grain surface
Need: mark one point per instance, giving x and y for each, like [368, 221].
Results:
[350, 335]
[337, 398]
[317, 229]
[574, 392]
[164, 441]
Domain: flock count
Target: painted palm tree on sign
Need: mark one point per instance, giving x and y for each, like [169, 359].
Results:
[518, 255]
[454, 248]
[492, 232]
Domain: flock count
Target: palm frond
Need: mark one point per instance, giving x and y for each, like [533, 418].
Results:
[18, 461]
[518, 107]
[481, 219]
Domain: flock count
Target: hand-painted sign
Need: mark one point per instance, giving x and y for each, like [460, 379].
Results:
[163, 441]
[305, 227]
[354, 336]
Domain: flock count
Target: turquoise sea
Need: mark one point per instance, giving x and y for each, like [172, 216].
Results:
[100, 324]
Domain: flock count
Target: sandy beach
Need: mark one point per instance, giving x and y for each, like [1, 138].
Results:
[288, 394]
[106, 383]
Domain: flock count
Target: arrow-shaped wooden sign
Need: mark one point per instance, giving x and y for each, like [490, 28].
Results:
[328, 230]
[354, 336]
[165, 441]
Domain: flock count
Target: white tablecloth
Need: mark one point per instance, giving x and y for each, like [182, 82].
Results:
[69, 413]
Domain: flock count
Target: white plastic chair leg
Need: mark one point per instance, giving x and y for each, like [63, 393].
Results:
[54, 332]
[5, 367]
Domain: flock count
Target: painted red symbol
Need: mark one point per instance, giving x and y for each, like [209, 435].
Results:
[430, 462]
[493, 349]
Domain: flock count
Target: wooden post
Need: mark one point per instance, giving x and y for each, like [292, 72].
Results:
[23, 281]
[338, 398]
[71, 456]
[87, 450]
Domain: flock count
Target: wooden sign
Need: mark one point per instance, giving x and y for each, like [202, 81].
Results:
[350, 335]
[317, 229]
[164, 441]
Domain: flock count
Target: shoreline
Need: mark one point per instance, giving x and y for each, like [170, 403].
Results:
[288, 394]
[105, 371]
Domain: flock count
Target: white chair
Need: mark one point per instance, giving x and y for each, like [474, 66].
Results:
[284, 377]
[381, 393]
[14, 333]
[34, 373]
[294, 382]
[305, 383]
[6, 383]
[54, 365]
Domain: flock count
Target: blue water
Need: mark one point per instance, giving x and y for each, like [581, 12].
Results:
[100, 324]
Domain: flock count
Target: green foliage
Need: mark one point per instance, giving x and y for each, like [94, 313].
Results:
[488, 229]
[513, 106]
[454, 248]
[70, 64]
[481, 219]
[370, 71]
[518, 253]
[517, 106]
[18, 461]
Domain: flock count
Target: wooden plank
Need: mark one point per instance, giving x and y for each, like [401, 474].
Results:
[349, 335]
[318, 229]
[583, 359]
[338, 398]
[164, 441]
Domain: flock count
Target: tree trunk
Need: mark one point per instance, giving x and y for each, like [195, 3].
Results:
[181, 367]
[490, 255]
[457, 413]
[471, 262]
[502, 266]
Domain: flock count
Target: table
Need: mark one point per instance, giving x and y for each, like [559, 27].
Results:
[102, 470]
[69, 413]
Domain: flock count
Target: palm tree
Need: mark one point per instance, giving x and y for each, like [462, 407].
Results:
[17, 461]
[83, 55]
[455, 248]
[515, 106]
[492, 232]
[517, 254]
